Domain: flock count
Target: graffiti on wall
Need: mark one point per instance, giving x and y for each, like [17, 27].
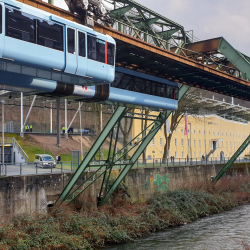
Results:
[162, 183]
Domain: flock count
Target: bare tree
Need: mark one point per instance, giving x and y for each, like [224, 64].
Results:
[188, 104]
[126, 129]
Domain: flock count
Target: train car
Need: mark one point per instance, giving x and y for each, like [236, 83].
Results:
[133, 89]
[33, 37]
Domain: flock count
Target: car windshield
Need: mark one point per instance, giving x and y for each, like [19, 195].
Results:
[48, 158]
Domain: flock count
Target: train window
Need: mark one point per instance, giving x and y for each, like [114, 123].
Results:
[50, 34]
[170, 92]
[111, 53]
[118, 78]
[176, 95]
[1, 19]
[82, 44]
[96, 49]
[20, 25]
[139, 85]
[160, 90]
[147, 89]
[152, 92]
[125, 82]
[71, 40]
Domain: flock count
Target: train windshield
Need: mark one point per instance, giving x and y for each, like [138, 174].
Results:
[141, 85]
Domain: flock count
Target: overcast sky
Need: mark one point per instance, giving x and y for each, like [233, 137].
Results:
[207, 18]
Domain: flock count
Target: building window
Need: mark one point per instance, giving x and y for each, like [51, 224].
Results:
[194, 143]
[200, 143]
[204, 143]
[182, 154]
[161, 141]
[230, 144]
[199, 131]
[175, 142]
[182, 142]
[226, 144]
[194, 154]
[209, 132]
[209, 143]
[182, 131]
[188, 142]
[175, 154]
[194, 131]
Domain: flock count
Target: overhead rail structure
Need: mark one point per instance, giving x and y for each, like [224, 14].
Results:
[136, 54]
[144, 40]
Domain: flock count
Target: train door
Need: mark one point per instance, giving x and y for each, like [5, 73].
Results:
[82, 58]
[96, 53]
[71, 51]
[2, 29]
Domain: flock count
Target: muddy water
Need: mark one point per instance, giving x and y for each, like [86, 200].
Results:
[227, 230]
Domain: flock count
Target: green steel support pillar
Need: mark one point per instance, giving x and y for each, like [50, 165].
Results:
[104, 168]
[118, 114]
[233, 159]
[154, 130]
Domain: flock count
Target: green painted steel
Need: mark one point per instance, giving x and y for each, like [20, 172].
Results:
[240, 61]
[118, 114]
[233, 159]
[161, 119]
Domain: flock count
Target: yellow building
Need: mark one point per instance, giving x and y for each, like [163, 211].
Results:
[210, 136]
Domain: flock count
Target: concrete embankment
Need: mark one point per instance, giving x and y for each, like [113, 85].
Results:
[33, 193]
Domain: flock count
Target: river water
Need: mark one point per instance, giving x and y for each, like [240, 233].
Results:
[216, 232]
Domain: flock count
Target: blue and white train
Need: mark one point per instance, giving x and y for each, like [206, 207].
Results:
[32, 37]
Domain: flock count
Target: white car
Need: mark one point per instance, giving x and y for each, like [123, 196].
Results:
[45, 160]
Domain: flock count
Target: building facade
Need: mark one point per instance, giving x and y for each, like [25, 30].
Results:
[208, 136]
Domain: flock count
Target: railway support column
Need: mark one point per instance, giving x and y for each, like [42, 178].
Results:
[66, 119]
[103, 168]
[58, 123]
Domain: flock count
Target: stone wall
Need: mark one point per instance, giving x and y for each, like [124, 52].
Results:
[33, 193]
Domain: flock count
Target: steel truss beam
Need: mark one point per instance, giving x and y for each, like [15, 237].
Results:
[103, 168]
[233, 159]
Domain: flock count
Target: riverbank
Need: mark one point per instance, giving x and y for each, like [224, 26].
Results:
[122, 221]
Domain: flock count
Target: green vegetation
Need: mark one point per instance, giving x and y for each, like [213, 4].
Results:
[119, 221]
[29, 149]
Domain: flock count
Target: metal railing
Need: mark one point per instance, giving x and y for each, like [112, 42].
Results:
[67, 166]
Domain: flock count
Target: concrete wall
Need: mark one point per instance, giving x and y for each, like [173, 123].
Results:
[33, 193]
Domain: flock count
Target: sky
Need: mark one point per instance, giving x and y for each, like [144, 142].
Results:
[207, 18]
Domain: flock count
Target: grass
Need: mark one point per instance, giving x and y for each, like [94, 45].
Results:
[84, 227]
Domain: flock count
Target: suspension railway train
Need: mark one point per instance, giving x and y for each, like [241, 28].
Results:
[32, 37]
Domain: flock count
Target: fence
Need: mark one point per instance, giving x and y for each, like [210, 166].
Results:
[67, 166]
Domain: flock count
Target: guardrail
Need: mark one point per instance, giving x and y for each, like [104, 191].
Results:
[67, 166]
